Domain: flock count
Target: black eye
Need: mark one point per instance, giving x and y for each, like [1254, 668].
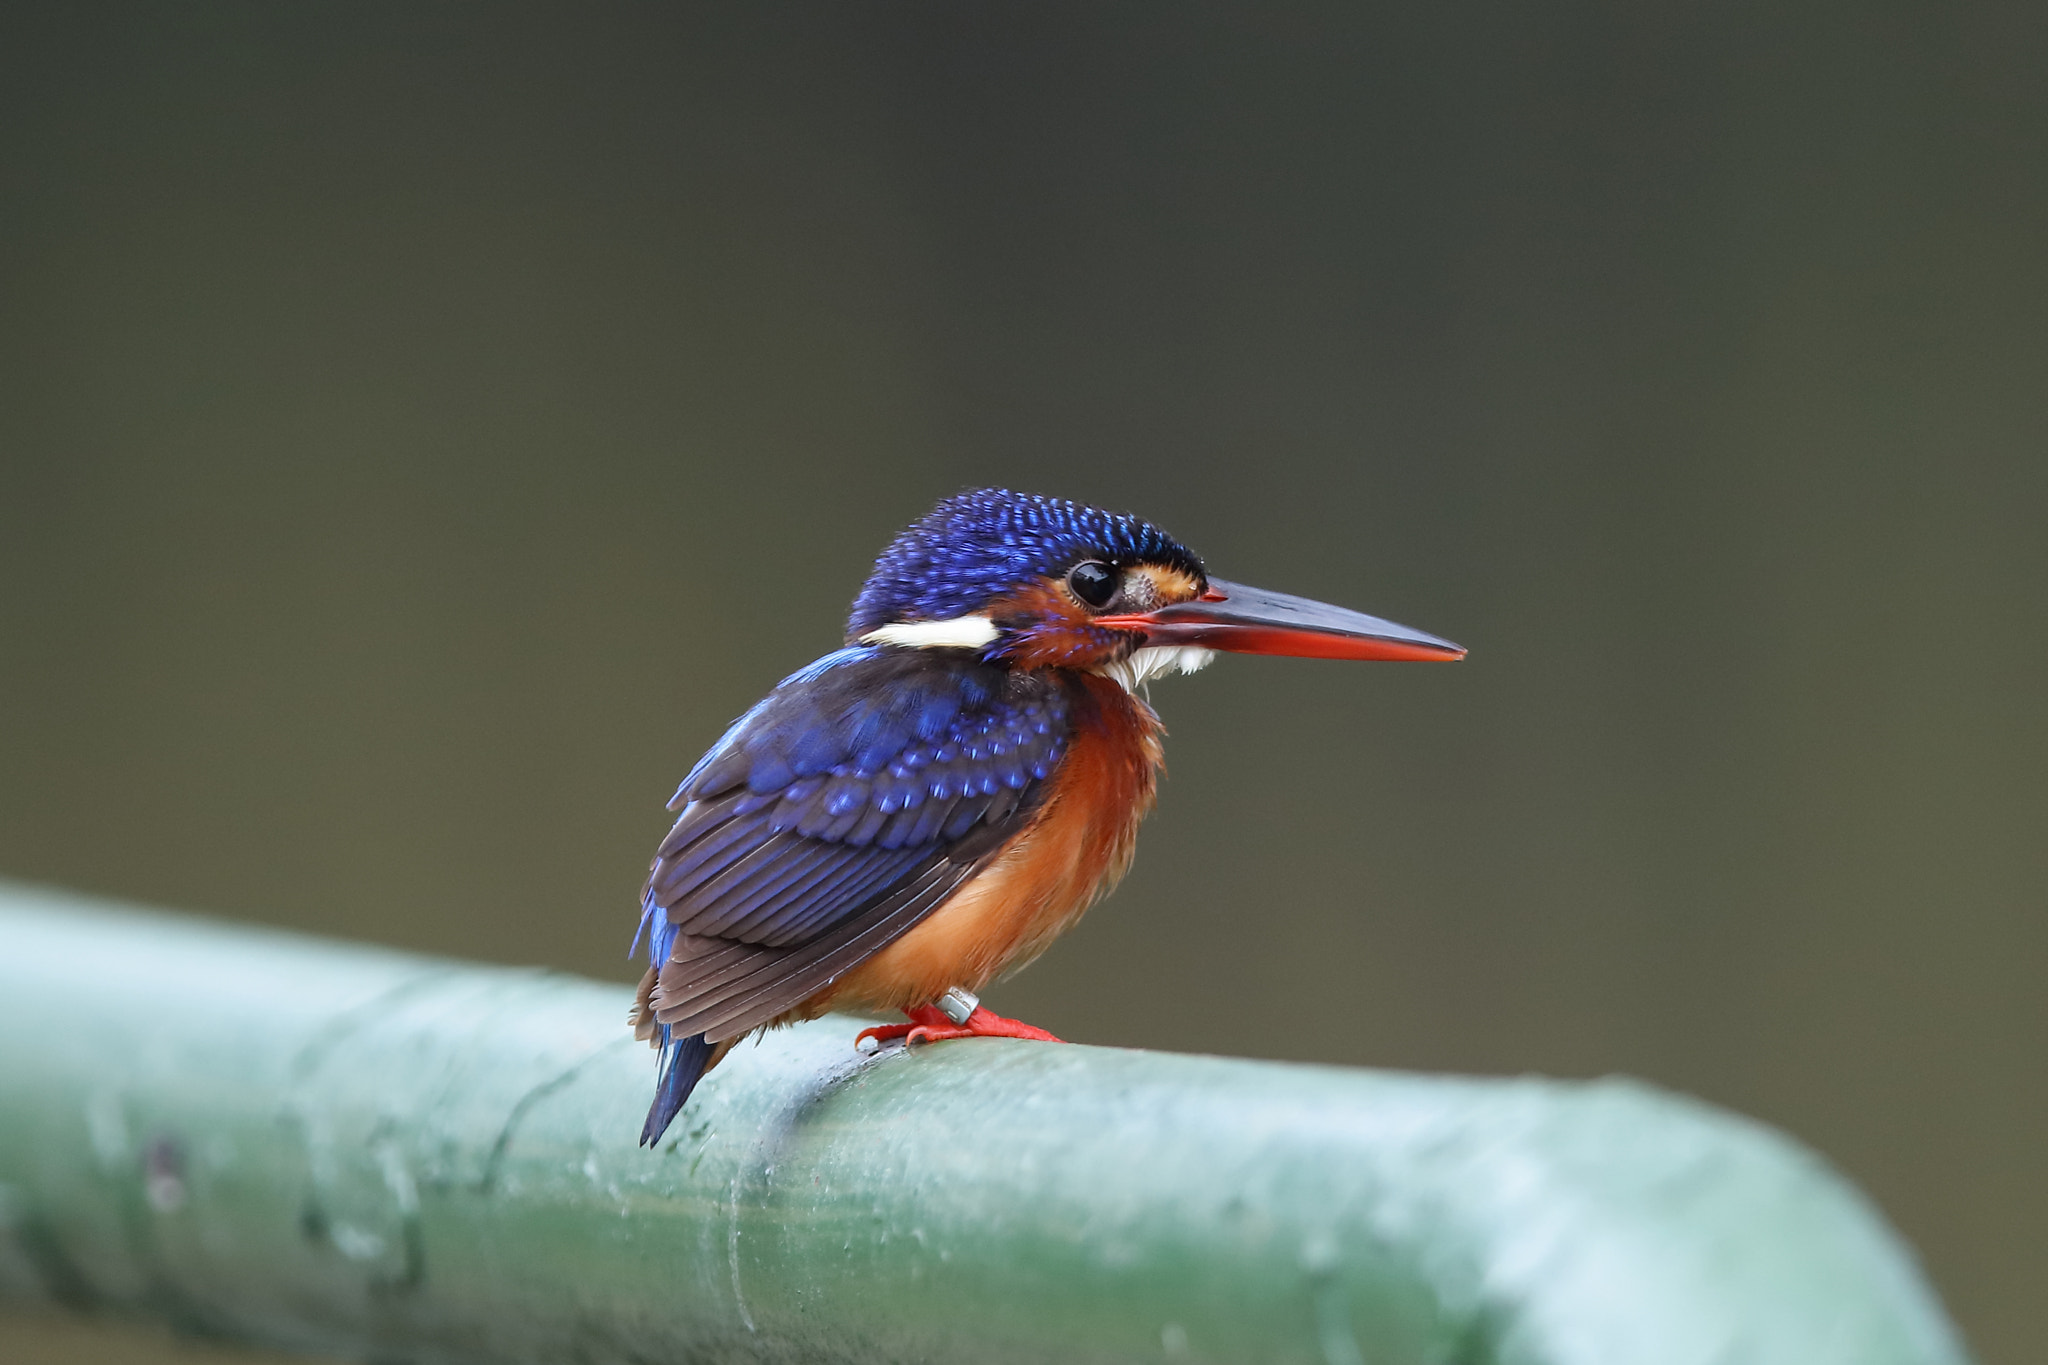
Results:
[1093, 582]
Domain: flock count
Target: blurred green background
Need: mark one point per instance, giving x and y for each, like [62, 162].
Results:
[421, 428]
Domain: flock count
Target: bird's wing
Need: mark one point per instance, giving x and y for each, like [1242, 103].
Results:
[833, 817]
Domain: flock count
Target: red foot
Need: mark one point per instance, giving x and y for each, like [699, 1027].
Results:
[923, 1016]
[927, 1025]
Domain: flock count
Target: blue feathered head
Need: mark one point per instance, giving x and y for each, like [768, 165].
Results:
[1027, 561]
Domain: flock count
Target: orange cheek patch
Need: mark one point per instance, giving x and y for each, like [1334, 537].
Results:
[1044, 600]
[1063, 633]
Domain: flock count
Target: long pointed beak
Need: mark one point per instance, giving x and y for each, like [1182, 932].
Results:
[1246, 620]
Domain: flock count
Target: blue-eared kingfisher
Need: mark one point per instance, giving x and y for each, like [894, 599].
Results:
[923, 811]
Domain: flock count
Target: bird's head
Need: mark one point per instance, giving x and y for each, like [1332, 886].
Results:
[1038, 582]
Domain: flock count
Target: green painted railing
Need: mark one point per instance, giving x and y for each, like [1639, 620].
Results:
[309, 1144]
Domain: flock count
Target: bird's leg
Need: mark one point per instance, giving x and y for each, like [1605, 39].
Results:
[957, 1014]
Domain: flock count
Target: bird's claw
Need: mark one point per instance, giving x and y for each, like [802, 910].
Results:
[878, 1035]
[922, 1016]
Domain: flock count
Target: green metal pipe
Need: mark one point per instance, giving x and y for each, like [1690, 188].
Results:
[316, 1145]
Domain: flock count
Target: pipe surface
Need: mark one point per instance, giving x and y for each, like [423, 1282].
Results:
[316, 1145]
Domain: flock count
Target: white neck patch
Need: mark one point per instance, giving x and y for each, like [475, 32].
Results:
[962, 632]
[1156, 661]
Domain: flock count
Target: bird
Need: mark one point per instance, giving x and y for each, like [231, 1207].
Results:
[924, 810]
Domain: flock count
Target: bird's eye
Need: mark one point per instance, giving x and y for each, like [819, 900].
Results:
[1093, 582]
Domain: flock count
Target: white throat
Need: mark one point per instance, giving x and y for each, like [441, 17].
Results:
[1156, 661]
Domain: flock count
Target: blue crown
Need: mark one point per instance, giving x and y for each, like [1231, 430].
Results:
[981, 545]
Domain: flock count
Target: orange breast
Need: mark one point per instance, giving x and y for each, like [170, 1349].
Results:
[1076, 848]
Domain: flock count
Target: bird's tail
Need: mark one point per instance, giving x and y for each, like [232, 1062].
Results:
[684, 1062]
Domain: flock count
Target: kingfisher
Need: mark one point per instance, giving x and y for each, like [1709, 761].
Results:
[923, 811]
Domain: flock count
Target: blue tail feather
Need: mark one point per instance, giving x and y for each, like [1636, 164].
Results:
[684, 1061]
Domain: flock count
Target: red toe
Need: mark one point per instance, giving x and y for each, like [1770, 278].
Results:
[881, 1033]
[924, 1016]
[983, 1023]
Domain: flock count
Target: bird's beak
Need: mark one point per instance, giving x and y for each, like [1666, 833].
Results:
[1244, 620]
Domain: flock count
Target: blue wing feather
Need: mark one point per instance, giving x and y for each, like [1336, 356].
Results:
[835, 813]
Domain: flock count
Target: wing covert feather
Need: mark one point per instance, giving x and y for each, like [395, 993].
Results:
[834, 816]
